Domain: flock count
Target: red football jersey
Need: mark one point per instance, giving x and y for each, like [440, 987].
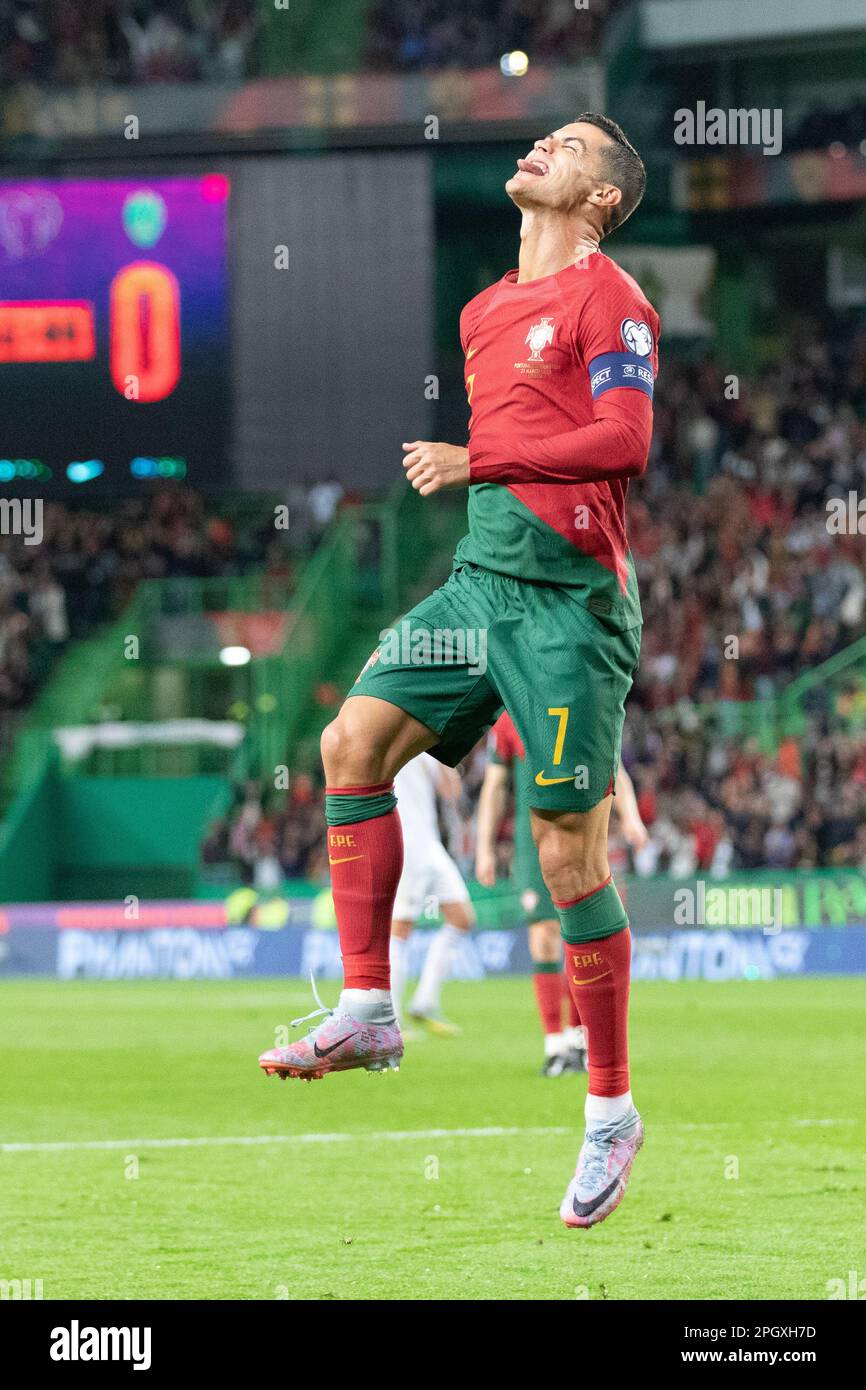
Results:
[505, 741]
[560, 374]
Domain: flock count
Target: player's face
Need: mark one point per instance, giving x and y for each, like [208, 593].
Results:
[561, 170]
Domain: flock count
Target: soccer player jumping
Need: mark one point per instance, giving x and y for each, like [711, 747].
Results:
[561, 359]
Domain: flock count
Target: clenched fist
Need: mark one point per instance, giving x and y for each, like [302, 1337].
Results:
[431, 467]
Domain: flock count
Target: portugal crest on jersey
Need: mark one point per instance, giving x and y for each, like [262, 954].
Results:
[538, 338]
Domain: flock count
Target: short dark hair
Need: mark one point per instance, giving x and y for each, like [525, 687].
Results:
[624, 168]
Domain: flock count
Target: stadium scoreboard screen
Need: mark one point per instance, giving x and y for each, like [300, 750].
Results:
[114, 328]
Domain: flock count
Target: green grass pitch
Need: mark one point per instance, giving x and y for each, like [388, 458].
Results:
[750, 1184]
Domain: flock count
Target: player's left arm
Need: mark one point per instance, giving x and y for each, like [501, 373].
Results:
[626, 807]
[616, 339]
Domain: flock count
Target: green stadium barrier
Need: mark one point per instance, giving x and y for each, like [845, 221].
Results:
[29, 835]
[74, 838]
[119, 836]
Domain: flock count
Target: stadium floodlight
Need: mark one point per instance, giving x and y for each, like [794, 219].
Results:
[235, 656]
[84, 472]
[514, 64]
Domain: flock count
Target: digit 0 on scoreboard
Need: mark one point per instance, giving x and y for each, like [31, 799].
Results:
[145, 331]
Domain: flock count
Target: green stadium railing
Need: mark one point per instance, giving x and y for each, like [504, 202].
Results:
[377, 559]
[788, 713]
[321, 618]
[848, 663]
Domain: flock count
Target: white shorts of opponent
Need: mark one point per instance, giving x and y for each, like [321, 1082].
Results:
[428, 880]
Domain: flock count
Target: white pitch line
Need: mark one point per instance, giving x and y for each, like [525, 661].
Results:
[245, 1140]
[378, 1136]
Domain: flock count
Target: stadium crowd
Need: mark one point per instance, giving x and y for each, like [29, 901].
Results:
[730, 527]
[69, 42]
[407, 35]
[74, 42]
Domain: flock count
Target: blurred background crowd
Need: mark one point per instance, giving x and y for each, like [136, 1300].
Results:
[72, 42]
[78, 41]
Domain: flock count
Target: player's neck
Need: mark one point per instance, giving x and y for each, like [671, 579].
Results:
[548, 244]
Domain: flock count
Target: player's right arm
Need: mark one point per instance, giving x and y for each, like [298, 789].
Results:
[491, 809]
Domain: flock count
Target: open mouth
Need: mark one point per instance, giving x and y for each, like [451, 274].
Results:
[532, 166]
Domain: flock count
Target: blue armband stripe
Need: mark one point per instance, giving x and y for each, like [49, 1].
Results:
[615, 369]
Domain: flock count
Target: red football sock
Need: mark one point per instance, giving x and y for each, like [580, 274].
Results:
[548, 996]
[366, 859]
[569, 1008]
[598, 979]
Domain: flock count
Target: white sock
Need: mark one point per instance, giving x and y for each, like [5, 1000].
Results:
[399, 971]
[437, 968]
[576, 1037]
[554, 1044]
[367, 1005]
[601, 1110]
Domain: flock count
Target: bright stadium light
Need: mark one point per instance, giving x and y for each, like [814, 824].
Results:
[84, 472]
[235, 656]
[514, 64]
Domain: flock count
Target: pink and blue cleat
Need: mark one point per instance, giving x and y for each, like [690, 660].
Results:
[602, 1172]
[338, 1043]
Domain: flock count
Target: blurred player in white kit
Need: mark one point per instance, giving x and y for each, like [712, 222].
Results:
[430, 884]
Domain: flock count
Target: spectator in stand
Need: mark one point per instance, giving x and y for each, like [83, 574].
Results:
[71, 42]
[159, 36]
[408, 35]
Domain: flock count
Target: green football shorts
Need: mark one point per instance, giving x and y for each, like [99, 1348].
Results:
[483, 641]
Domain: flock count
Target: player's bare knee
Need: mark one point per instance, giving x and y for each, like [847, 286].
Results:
[348, 754]
[331, 746]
